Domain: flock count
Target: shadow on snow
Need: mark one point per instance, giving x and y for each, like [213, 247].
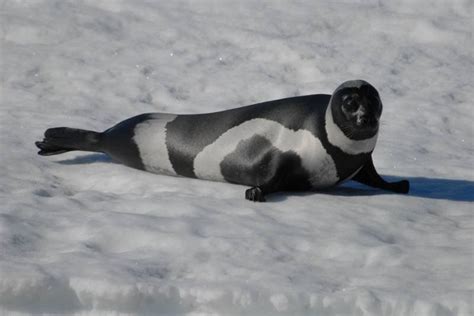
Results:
[86, 159]
[424, 187]
[430, 188]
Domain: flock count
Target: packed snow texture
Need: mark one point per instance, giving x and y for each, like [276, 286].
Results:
[81, 234]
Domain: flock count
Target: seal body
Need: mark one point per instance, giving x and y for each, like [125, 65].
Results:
[247, 145]
[299, 143]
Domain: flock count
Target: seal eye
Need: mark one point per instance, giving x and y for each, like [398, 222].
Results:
[350, 104]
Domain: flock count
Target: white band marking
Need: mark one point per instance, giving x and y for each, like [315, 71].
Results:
[314, 157]
[150, 137]
[350, 146]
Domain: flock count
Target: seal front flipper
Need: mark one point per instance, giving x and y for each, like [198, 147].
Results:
[255, 194]
[369, 176]
[59, 140]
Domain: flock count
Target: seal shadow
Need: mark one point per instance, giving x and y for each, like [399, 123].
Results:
[87, 159]
[424, 187]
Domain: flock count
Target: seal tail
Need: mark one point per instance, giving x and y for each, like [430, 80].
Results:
[59, 140]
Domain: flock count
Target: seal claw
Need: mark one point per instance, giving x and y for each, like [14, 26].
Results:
[255, 194]
[402, 186]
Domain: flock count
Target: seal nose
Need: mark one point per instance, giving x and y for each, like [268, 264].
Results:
[366, 120]
[363, 120]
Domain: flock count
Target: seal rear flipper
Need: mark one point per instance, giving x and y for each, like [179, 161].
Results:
[59, 140]
[49, 150]
[369, 176]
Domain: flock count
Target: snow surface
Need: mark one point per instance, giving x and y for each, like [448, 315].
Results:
[80, 234]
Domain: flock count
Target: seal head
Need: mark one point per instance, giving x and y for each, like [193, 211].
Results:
[356, 109]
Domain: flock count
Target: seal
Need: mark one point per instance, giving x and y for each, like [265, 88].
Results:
[302, 143]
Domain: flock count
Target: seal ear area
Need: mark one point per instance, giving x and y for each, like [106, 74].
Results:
[360, 87]
[372, 99]
[354, 84]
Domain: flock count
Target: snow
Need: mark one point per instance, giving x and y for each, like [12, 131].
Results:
[80, 234]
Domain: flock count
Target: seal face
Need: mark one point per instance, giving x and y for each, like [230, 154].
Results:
[300, 143]
[352, 119]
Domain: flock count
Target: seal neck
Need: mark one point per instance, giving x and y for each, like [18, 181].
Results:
[337, 138]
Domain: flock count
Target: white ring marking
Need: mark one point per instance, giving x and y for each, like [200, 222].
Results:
[350, 146]
[150, 137]
[314, 157]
